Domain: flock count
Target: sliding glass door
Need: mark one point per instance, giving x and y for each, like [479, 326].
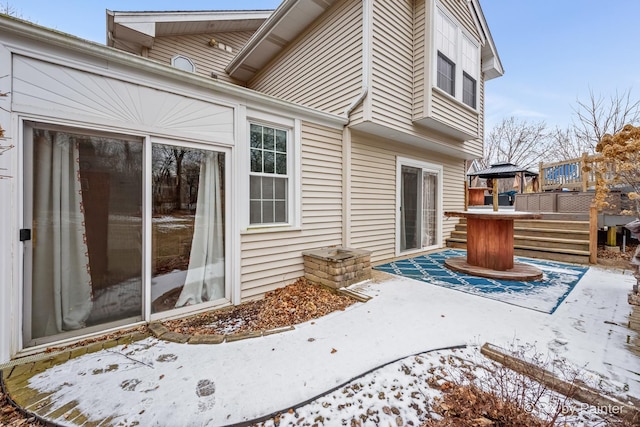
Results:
[187, 227]
[86, 215]
[419, 205]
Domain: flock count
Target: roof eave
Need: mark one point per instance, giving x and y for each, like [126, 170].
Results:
[46, 36]
[264, 45]
[491, 64]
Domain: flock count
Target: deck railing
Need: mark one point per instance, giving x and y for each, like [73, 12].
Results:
[567, 174]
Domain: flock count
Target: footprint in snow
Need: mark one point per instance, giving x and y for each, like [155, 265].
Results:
[205, 390]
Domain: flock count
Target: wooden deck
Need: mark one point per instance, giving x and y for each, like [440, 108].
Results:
[634, 331]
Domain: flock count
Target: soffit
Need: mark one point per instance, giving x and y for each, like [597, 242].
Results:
[286, 23]
[141, 28]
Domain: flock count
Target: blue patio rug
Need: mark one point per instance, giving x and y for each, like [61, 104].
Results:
[543, 295]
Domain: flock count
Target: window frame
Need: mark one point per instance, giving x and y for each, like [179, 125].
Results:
[26, 124]
[428, 167]
[450, 78]
[186, 58]
[293, 191]
[473, 101]
[275, 175]
[460, 37]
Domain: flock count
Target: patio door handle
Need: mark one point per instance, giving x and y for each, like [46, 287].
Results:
[25, 234]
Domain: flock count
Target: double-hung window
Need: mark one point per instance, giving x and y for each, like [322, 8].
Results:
[457, 60]
[269, 175]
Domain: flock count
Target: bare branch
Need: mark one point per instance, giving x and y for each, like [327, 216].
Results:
[598, 117]
[517, 141]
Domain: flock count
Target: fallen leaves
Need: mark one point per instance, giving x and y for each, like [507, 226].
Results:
[290, 305]
[469, 406]
[12, 417]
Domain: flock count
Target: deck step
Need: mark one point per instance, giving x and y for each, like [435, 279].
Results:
[556, 254]
[544, 223]
[532, 248]
[551, 234]
[539, 242]
[555, 239]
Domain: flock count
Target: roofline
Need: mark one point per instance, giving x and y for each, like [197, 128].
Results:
[156, 17]
[260, 34]
[49, 36]
[497, 68]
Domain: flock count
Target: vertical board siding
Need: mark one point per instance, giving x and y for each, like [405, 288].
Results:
[461, 11]
[208, 59]
[323, 68]
[272, 260]
[373, 192]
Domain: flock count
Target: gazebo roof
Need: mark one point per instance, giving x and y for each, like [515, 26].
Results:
[503, 170]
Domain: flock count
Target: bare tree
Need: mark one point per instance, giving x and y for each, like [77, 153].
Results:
[517, 141]
[7, 9]
[565, 145]
[599, 116]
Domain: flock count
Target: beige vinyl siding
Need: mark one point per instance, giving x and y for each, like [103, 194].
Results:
[393, 79]
[475, 147]
[373, 191]
[322, 69]
[419, 68]
[274, 259]
[453, 113]
[443, 108]
[208, 59]
[392, 64]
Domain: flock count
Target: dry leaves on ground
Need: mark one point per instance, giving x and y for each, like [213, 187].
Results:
[616, 259]
[12, 417]
[296, 303]
[469, 406]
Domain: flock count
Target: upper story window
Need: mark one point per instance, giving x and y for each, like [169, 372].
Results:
[446, 74]
[183, 63]
[269, 179]
[457, 62]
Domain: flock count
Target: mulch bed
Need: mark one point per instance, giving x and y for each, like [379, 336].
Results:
[299, 302]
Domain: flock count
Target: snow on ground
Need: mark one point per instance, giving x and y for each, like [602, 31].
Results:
[400, 394]
[154, 382]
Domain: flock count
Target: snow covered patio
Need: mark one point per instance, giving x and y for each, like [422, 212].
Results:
[153, 382]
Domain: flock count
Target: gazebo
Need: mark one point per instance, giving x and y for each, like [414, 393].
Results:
[492, 174]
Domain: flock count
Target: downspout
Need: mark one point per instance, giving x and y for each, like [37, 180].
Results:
[346, 130]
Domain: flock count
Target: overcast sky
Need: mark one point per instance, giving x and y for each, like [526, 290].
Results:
[553, 51]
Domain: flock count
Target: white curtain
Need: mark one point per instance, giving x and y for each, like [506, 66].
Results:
[429, 209]
[61, 290]
[205, 277]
